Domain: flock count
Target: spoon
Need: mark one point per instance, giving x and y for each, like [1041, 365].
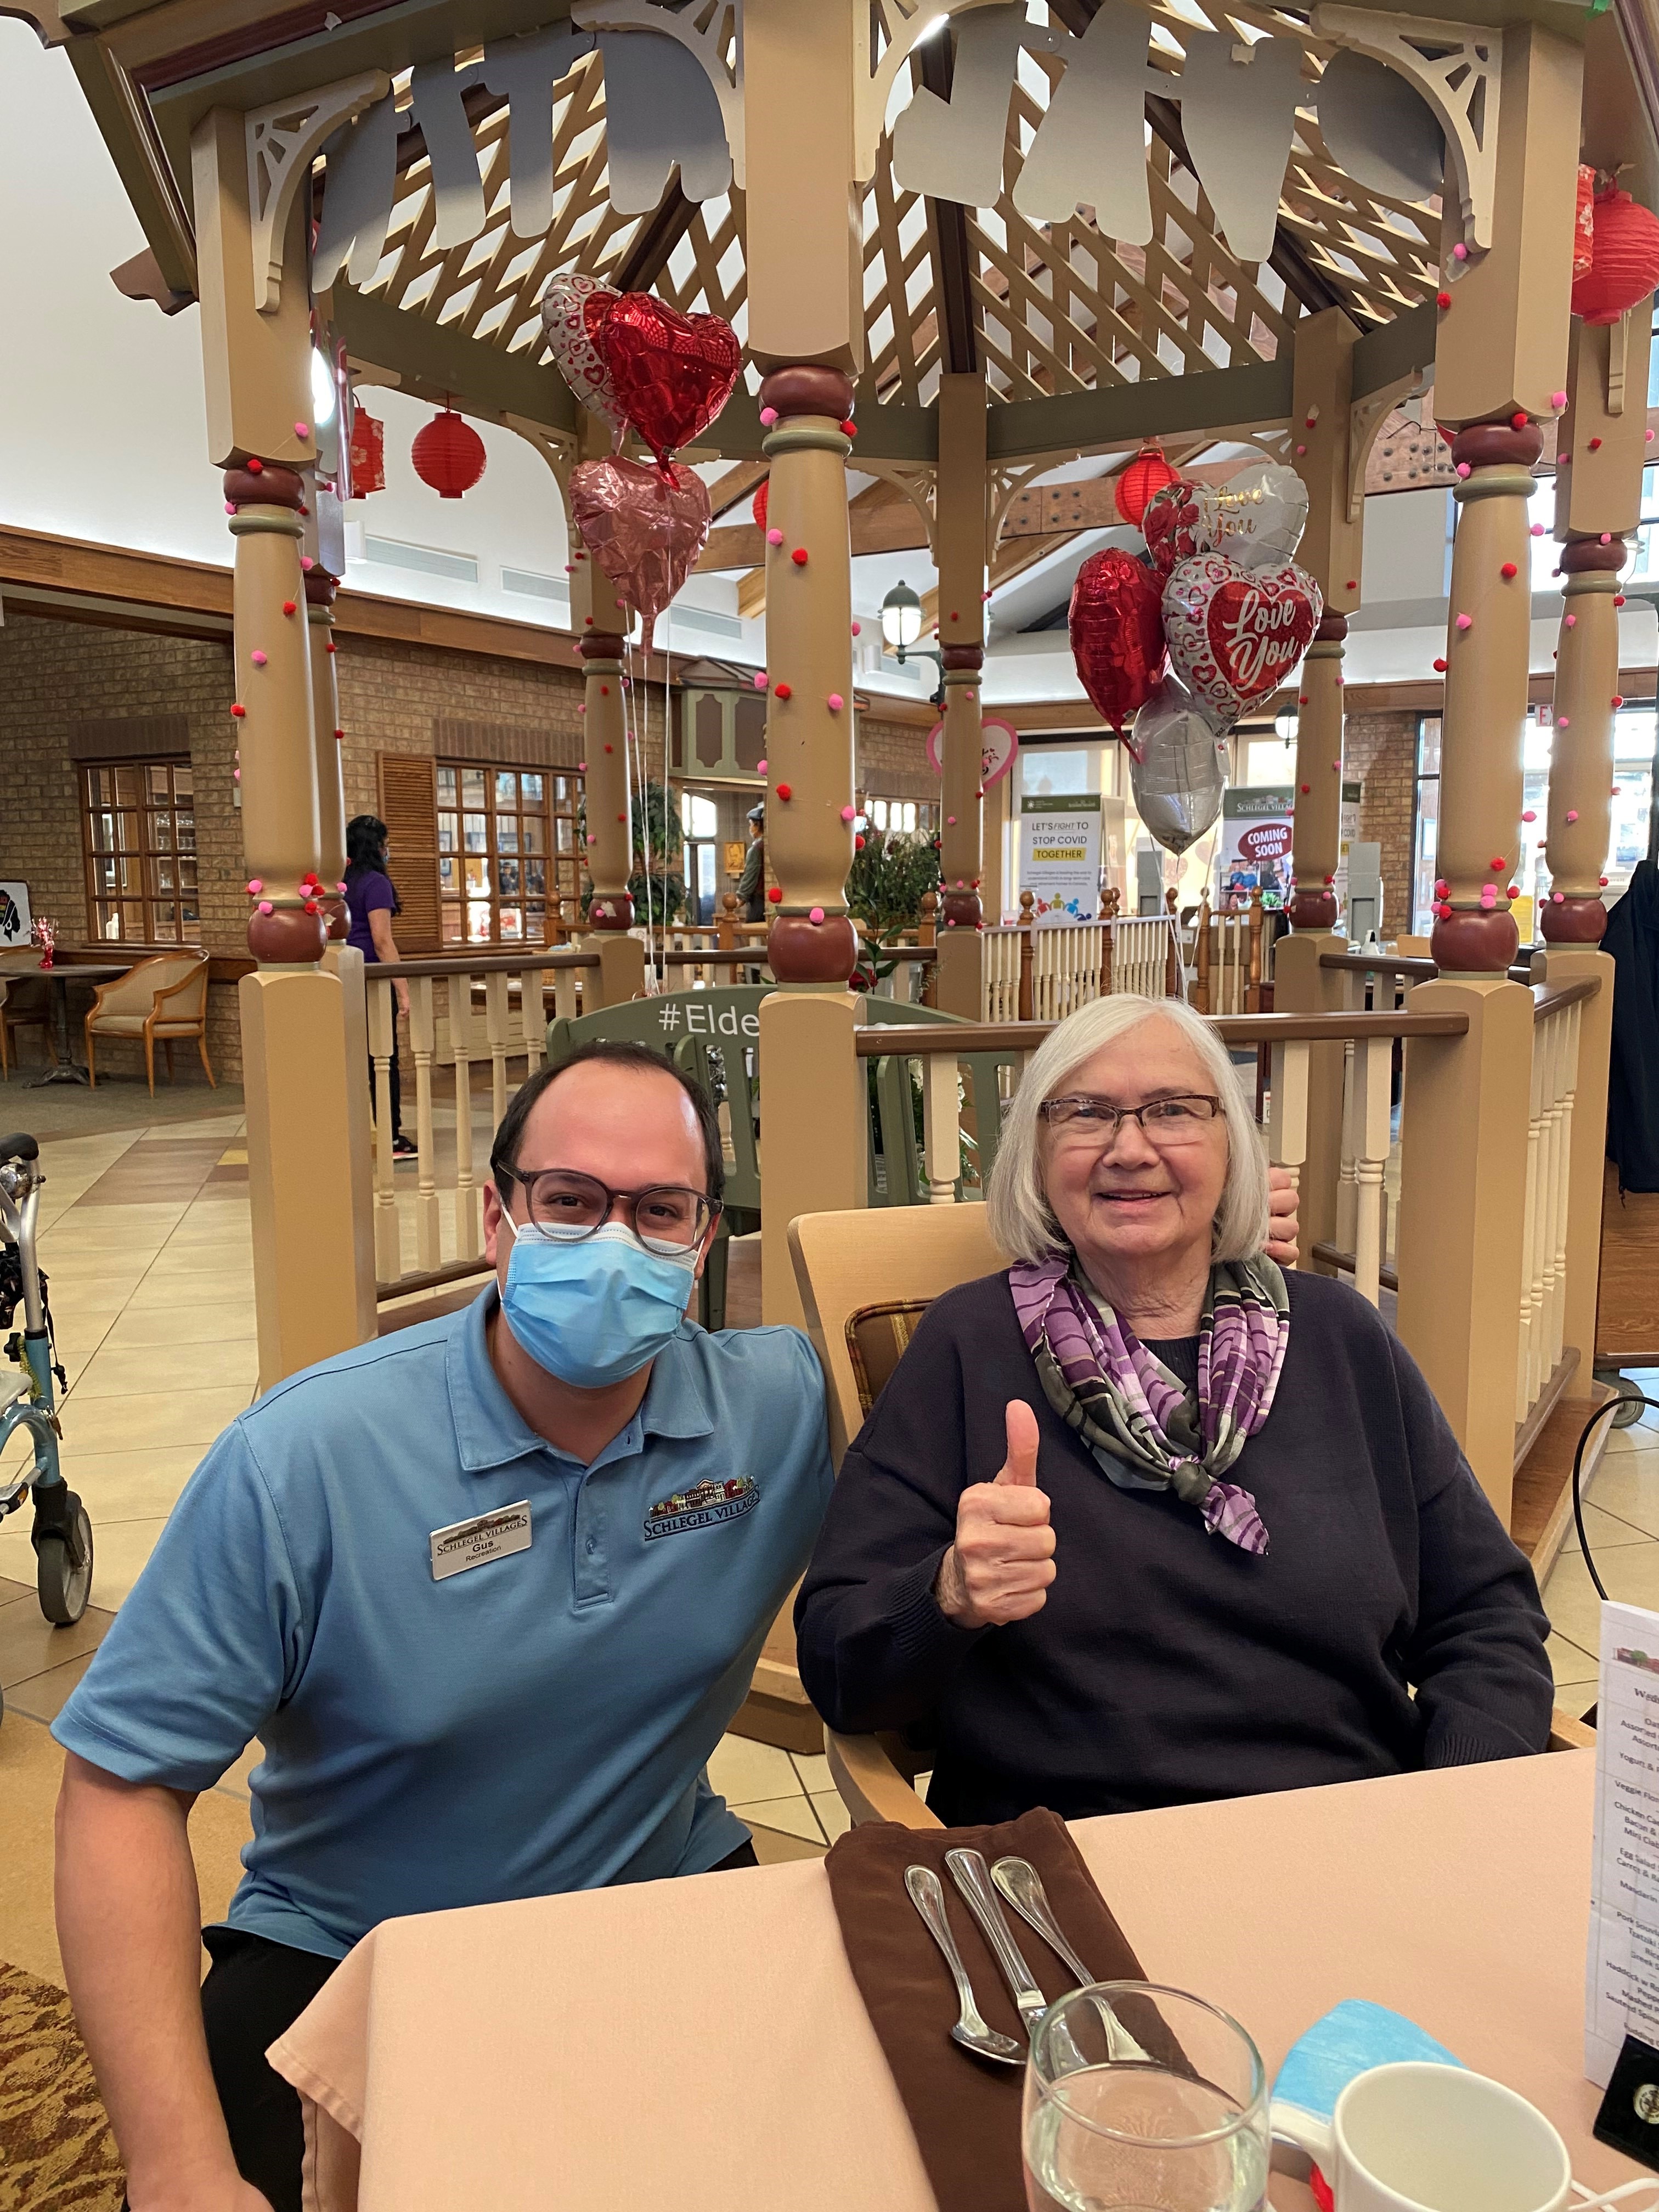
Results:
[1020, 1883]
[927, 1894]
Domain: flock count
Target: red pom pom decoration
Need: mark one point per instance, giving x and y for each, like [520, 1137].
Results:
[1624, 259]
[1508, 570]
[784, 792]
[1443, 300]
[775, 895]
[1439, 667]
[238, 710]
[1148, 472]
[782, 691]
[448, 454]
[798, 557]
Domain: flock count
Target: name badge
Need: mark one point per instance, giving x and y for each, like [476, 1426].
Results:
[466, 1544]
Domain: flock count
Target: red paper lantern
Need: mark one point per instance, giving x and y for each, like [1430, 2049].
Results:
[1624, 262]
[1583, 228]
[758, 505]
[1148, 472]
[366, 453]
[448, 454]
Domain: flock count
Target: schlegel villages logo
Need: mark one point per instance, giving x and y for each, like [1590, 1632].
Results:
[704, 1506]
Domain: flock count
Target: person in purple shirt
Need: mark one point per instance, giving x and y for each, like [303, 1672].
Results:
[372, 902]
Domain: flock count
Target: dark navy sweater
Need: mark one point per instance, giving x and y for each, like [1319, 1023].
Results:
[1169, 1666]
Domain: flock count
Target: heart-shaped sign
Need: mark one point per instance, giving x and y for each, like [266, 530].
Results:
[1117, 633]
[645, 526]
[1257, 519]
[672, 372]
[565, 303]
[1236, 634]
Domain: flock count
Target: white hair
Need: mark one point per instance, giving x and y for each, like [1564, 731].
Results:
[1021, 1220]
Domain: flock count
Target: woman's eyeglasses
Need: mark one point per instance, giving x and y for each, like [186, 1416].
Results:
[1163, 1121]
[665, 1217]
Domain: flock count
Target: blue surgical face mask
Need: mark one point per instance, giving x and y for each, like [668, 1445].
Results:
[596, 1310]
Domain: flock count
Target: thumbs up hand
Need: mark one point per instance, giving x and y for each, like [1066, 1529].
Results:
[1000, 1565]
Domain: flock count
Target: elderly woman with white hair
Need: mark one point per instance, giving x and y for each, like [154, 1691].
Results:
[1142, 1519]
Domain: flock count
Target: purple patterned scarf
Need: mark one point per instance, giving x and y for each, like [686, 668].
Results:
[1139, 1419]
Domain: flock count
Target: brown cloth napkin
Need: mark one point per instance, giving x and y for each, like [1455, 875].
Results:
[964, 2112]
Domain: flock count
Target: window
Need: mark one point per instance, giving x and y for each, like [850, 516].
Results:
[1425, 835]
[907, 817]
[139, 819]
[506, 841]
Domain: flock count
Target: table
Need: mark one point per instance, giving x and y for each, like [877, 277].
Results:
[700, 2043]
[61, 974]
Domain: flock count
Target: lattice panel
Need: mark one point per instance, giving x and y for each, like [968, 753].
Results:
[1057, 307]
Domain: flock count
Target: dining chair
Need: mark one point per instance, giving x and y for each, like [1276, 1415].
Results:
[161, 1001]
[914, 1254]
[25, 1003]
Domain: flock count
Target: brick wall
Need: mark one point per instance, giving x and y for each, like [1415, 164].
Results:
[394, 696]
[1380, 751]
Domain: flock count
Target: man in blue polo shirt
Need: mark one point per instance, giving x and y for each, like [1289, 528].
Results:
[487, 1591]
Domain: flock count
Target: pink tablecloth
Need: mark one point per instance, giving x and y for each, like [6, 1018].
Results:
[699, 2043]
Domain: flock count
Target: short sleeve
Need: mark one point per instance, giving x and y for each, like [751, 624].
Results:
[212, 1640]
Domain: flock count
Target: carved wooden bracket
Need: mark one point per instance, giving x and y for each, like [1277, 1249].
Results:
[1365, 419]
[1457, 68]
[709, 33]
[283, 139]
[918, 481]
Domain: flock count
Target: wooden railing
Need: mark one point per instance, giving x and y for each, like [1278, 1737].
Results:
[1288, 1040]
[461, 1011]
[1040, 972]
[1227, 958]
[1558, 1015]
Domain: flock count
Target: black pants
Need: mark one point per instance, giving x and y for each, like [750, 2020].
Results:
[254, 1992]
[397, 1094]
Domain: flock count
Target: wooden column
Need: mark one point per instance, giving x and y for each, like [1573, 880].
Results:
[602, 619]
[302, 1073]
[325, 739]
[1322, 388]
[1602, 450]
[959, 508]
[1500, 360]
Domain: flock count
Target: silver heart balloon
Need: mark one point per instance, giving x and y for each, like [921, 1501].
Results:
[1178, 769]
[1259, 516]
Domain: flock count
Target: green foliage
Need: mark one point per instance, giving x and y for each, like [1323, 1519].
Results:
[653, 811]
[886, 884]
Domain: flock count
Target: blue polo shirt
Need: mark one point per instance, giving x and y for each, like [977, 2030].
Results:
[537, 1723]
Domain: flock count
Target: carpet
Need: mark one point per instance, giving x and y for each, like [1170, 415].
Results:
[57, 2154]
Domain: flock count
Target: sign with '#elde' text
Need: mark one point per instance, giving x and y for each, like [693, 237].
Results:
[1060, 855]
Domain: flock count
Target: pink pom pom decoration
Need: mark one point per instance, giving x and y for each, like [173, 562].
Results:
[836, 702]
[1558, 400]
[768, 416]
[1462, 468]
[255, 886]
[1465, 622]
[760, 767]
[1572, 814]
[1572, 622]
[817, 915]
[847, 815]
[258, 659]
[1538, 529]
[775, 537]
[855, 630]
[307, 562]
[1459, 252]
[760, 679]
[265, 906]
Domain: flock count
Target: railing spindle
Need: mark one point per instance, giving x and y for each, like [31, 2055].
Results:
[1373, 1071]
[427, 1238]
[497, 1034]
[462, 1044]
[382, 1044]
[941, 1126]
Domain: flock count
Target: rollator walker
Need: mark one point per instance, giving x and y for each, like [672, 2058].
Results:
[62, 1533]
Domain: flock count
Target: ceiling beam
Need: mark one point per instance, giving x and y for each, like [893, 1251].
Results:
[947, 225]
[1227, 403]
[431, 360]
[648, 256]
[880, 519]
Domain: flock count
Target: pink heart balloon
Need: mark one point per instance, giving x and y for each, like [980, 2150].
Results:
[644, 525]
[1236, 634]
[565, 321]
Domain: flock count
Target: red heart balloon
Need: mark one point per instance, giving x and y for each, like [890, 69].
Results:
[1236, 634]
[1117, 633]
[1170, 525]
[644, 527]
[672, 372]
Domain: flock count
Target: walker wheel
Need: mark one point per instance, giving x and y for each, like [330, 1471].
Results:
[63, 1590]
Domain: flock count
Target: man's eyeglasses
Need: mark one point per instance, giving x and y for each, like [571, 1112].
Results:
[664, 1217]
[1165, 1121]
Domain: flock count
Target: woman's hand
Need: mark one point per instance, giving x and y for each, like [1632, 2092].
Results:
[1282, 1222]
[1002, 1562]
[402, 990]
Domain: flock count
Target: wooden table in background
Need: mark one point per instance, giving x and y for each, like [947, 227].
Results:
[700, 2043]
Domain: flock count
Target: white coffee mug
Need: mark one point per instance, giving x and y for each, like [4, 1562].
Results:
[1421, 2138]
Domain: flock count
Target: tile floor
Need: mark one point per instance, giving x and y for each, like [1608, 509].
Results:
[145, 1236]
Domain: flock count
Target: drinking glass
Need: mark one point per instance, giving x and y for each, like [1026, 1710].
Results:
[1181, 2126]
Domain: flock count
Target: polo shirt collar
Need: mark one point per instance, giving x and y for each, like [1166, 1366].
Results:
[490, 1431]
